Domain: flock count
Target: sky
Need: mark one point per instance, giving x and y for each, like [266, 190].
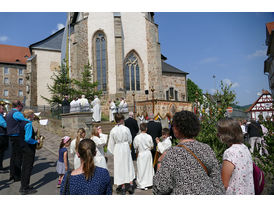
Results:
[227, 45]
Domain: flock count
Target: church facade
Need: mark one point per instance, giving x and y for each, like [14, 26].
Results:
[124, 52]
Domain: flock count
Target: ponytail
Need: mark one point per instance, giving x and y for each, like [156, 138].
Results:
[87, 151]
[79, 133]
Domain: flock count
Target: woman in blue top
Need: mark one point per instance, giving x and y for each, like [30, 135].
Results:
[88, 179]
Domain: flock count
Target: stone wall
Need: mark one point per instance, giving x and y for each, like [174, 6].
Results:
[178, 82]
[79, 49]
[13, 85]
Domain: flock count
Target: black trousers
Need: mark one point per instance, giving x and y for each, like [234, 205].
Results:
[27, 164]
[16, 157]
[4, 144]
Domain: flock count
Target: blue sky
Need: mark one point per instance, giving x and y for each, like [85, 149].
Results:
[230, 46]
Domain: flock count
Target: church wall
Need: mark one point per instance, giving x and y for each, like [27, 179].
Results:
[178, 82]
[31, 83]
[104, 21]
[134, 31]
[47, 62]
[79, 49]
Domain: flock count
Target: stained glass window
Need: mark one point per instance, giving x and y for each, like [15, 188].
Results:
[132, 73]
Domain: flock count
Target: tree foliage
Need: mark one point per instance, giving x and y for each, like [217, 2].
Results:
[193, 91]
[85, 85]
[210, 110]
[61, 86]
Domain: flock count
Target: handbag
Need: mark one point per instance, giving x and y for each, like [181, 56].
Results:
[201, 163]
[258, 177]
[66, 187]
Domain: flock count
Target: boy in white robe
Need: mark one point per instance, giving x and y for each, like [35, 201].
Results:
[166, 142]
[119, 140]
[96, 109]
[145, 172]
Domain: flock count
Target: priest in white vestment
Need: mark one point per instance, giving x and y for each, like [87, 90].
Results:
[84, 104]
[100, 140]
[143, 143]
[96, 109]
[119, 145]
[112, 110]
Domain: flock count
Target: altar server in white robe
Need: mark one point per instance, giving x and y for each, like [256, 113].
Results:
[112, 110]
[96, 109]
[100, 140]
[165, 144]
[81, 133]
[119, 145]
[143, 143]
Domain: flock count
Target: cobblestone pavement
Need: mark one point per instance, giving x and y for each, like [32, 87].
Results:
[44, 176]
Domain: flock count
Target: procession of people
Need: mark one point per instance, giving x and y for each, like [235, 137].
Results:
[189, 167]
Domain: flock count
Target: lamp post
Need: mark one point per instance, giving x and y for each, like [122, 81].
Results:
[134, 110]
[152, 90]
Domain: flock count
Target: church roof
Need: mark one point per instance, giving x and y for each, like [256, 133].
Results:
[14, 54]
[167, 68]
[53, 42]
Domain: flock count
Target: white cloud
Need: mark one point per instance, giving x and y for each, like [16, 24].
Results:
[257, 53]
[58, 27]
[228, 82]
[209, 60]
[3, 38]
[212, 91]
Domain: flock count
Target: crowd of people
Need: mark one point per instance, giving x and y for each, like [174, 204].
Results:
[189, 167]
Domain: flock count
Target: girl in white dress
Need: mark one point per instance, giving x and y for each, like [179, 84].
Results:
[100, 140]
[143, 143]
[81, 133]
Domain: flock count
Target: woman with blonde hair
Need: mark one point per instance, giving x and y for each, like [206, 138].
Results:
[237, 168]
[100, 140]
[81, 133]
[88, 179]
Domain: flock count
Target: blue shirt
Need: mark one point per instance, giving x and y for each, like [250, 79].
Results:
[3, 123]
[28, 134]
[98, 184]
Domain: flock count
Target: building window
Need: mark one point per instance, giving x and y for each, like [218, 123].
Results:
[20, 81]
[172, 94]
[167, 95]
[101, 61]
[6, 80]
[20, 71]
[176, 95]
[20, 93]
[132, 73]
[6, 70]
[6, 93]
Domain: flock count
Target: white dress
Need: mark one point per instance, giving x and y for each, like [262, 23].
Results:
[76, 159]
[145, 172]
[96, 110]
[99, 159]
[164, 145]
[112, 110]
[241, 181]
[119, 140]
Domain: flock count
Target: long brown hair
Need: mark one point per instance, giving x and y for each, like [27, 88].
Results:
[94, 131]
[79, 135]
[87, 151]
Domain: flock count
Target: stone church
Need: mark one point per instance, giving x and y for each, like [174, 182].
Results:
[123, 50]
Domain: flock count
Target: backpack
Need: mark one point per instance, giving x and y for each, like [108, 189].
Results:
[258, 177]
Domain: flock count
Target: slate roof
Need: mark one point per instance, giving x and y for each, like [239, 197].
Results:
[14, 54]
[167, 68]
[53, 42]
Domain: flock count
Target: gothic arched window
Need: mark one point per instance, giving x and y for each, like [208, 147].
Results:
[101, 61]
[132, 73]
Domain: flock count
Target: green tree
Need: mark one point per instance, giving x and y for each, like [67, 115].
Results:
[85, 85]
[61, 86]
[193, 91]
[211, 109]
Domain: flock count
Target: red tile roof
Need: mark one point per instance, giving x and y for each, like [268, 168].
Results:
[270, 27]
[14, 54]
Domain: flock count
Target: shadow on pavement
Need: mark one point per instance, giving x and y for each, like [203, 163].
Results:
[42, 166]
[51, 176]
[4, 184]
